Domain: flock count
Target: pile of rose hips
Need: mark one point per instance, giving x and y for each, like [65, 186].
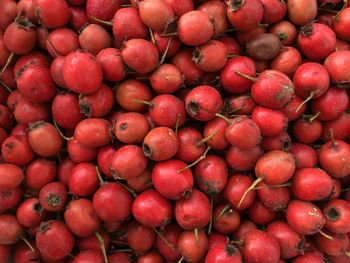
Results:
[175, 131]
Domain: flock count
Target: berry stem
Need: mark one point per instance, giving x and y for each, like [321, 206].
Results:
[166, 51]
[60, 132]
[211, 214]
[245, 76]
[99, 175]
[325, 235]
[196, 161]
[248, 190]
[305, 101]
[28, 244]
[165, 240]
[102, 245]
[143, 102]
[223, 211]
[8, 62]
[208, 138]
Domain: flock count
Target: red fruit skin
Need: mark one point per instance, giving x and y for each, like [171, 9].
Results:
[316, 33]
[16, 150]
[167, 78]
[112, 64]
[306, 131]
[305, 156]
[79, 153]
[191, 146]
[274, 11]
[92, 242]
[218, 126]
[286, 30]
[104, 157]
[336, 246]
[102, 9]
[56, 71]
[81, 218]
[334, 158]
[140, 238]
[193, 212]
[63, 170]
[337, 213]
[62, 41]
[58, 231]
[243, 160]
[287, 61]
[217, 10]
[78, 18]
[224, 253]
[341, 23]
[8, 14]
[119, 257]
[88, 256]
[16, 35]
[171, 233]
[339, 126]
[52, 13]
[169, 182]
[191, 248]
[304, 217]
[337, 64]
[151, 256]
[157, 15]
[11, 176]
[309, 257]
[9, 198]
[27, 112]
[271, 122]
[10, 229]
[140, 55]
[237, 11]
[106, 197]
[30, 213]
[227, 222]
[298, 14]
[131, 127]
[127, 25]
[141, 182]
[83, 179]
[275, 199]
[39, 173]
[281, 141]
[290, 242]
[260, 214]
[146, 203]
[233, 48]
[93, 132]
[94, 38]
[231, 81]
[255, 249]
[53, 196]
[162, 43]
[23, 253]
[211, 56]
[82, 73]
[195, 28]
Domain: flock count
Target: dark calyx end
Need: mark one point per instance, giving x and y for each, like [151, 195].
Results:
[286, 145]
[186, 194]
[53, 200]
[44, 226]
[231, 249]
[193, 107]
[307, 30]
[196, 56]
[123, 126]
[343, 84]
[236, 4]
[301, 246]
[24, 23]
[35, 125]
[281, 36]
[38, 208]
[146, 150]
[333, 214]
[85, 109]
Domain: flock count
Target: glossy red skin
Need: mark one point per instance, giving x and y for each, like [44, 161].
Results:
[226, 223]
[30, 213]
[9, 198]
[93, 132]
[53, 196]
[319, 34]
[337, 213]
[217, 10]
[150, 257]
[33, 58]
[237, 14]
[58, 231]
[3, 135]
[39, 173]
[78, 18]
[4, 94]
[193, 212]
[236, 186]
[243, 160]
[9, 14]
[255, 249]
[15, 36]
[281, 141]
[276, 124]
[339, 259]
[79, 153]
[88, 256]
[307, 132]
[56, 71]
[215, 239]
[260, 214]
[112, 64]
[193, 249]
[305, 156]
[180, 7]
[234, 83]
[94, 38]
[11, 176]
[334, 158]
[275, 199]
[61, 41]
[290, 242]
[127, 24]
[243, 37]
[340, 23]
[9, 78]
[81, 218]
[5, 53]
[44, 139]
[146, 203]
[16, 150]
[63, 170]
[339, 126]
[211, 56]
[183, 61]
[131, 127]
[140, 55]
[275, 167]
[290, 109]
[169, 182]
[233, 48]
[203, 102]
[82, 73]
[20, 130]
[140, 238]
[287, 61]
[128, 161]
[337, 64]
[190, 146]
[157, 15]
[66, 119]
[171, 233]
[119, 257]
[22, 253]
[336, 189]
[217, 125]
[304, 217]
[141, 182]
[243, 133]
[102, 9]
[132, 89]
[224, 253]
[106, 197]
[160, 144]
[92, 242]
[274, 11]
[6, 118]
[298, 14]
[83, 179]
[52, 14]
[167, 78]
[336, 246]
[26, 112]
[309, 257]
[241, 104]
[201, 30]
[104, 157]
[162, 42]
[285, 29]
[10, 229]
